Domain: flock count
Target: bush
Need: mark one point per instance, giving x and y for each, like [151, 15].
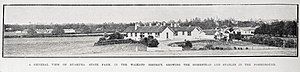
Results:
[152, 43]
[114, 41]
[187, 45]
[290, 44]
[101, 39]
[31, 32]
[116, 35]
[268, 40]
[58, 31]
[278, 42]
[209, 46]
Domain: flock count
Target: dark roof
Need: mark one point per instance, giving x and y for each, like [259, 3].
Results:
[184, 28]
[109, 30]
[159, 29]
[209, 32]
[146, 29]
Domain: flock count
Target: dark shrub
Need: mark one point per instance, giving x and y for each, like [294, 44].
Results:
[144, 41]
[187, 45]
[58, 30]
[290, 44]
[152, 43]
[278, 42]
[31, 32]
[209, 46]
[102, 38]
[116, 35]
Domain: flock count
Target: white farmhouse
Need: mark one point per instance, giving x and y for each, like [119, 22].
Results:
[69, 31]
[163, 32]
[246, 32]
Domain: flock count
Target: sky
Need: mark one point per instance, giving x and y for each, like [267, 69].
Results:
[126, 14]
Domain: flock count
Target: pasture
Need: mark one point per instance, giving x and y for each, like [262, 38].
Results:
[83, 46]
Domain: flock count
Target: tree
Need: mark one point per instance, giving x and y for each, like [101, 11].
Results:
[116, 35]
[31, 32]
[85, 29]
[152, 42]
[58, 30]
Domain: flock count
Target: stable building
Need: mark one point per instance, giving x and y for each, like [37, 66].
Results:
[163, 32]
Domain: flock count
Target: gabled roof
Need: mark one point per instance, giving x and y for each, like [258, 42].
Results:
[245, 28]
[209, 31]
[109, 30]
[146, 29]
[185, 28]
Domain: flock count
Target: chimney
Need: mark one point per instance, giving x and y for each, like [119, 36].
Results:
[176, 25]
[172, 24]
[150, 24]
[136, 26]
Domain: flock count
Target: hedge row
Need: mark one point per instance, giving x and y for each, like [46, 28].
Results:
[114, 41]
[194, 41]
[272, 41]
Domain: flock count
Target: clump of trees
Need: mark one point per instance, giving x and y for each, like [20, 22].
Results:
[150, 41]
[58, 30]
[31, 32]
[279, 29]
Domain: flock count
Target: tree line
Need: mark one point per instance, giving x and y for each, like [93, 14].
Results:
[279, 29]
[208, 23]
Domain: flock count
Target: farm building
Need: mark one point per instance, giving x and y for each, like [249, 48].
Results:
[245, 31]
[163, 32]
[69, 31]
[44, 31]
[23, 31]
[108, 30]
[49, 31]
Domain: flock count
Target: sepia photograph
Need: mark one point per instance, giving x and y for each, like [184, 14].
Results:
[150, 30]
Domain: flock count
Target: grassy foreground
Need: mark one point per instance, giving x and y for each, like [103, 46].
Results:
[83, 46]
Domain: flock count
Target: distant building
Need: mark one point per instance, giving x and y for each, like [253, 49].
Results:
[163, 32]
[245, 31]
[108, 30]
[69, 31]
[44, 31]
[8, 29]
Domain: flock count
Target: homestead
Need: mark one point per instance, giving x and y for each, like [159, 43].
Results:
[163, 32]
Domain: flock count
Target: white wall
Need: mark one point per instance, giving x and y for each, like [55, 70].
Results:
[163, 35]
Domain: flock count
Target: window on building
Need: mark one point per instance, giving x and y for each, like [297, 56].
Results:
[176, 33]
[182, 32]
[149, 33]
[135, 34]
[157, 34]
[131, 34]
[189, 33]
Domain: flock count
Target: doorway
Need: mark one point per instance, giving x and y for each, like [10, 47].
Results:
[167, 35]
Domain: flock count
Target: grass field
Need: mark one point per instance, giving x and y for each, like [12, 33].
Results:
[83, 46]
